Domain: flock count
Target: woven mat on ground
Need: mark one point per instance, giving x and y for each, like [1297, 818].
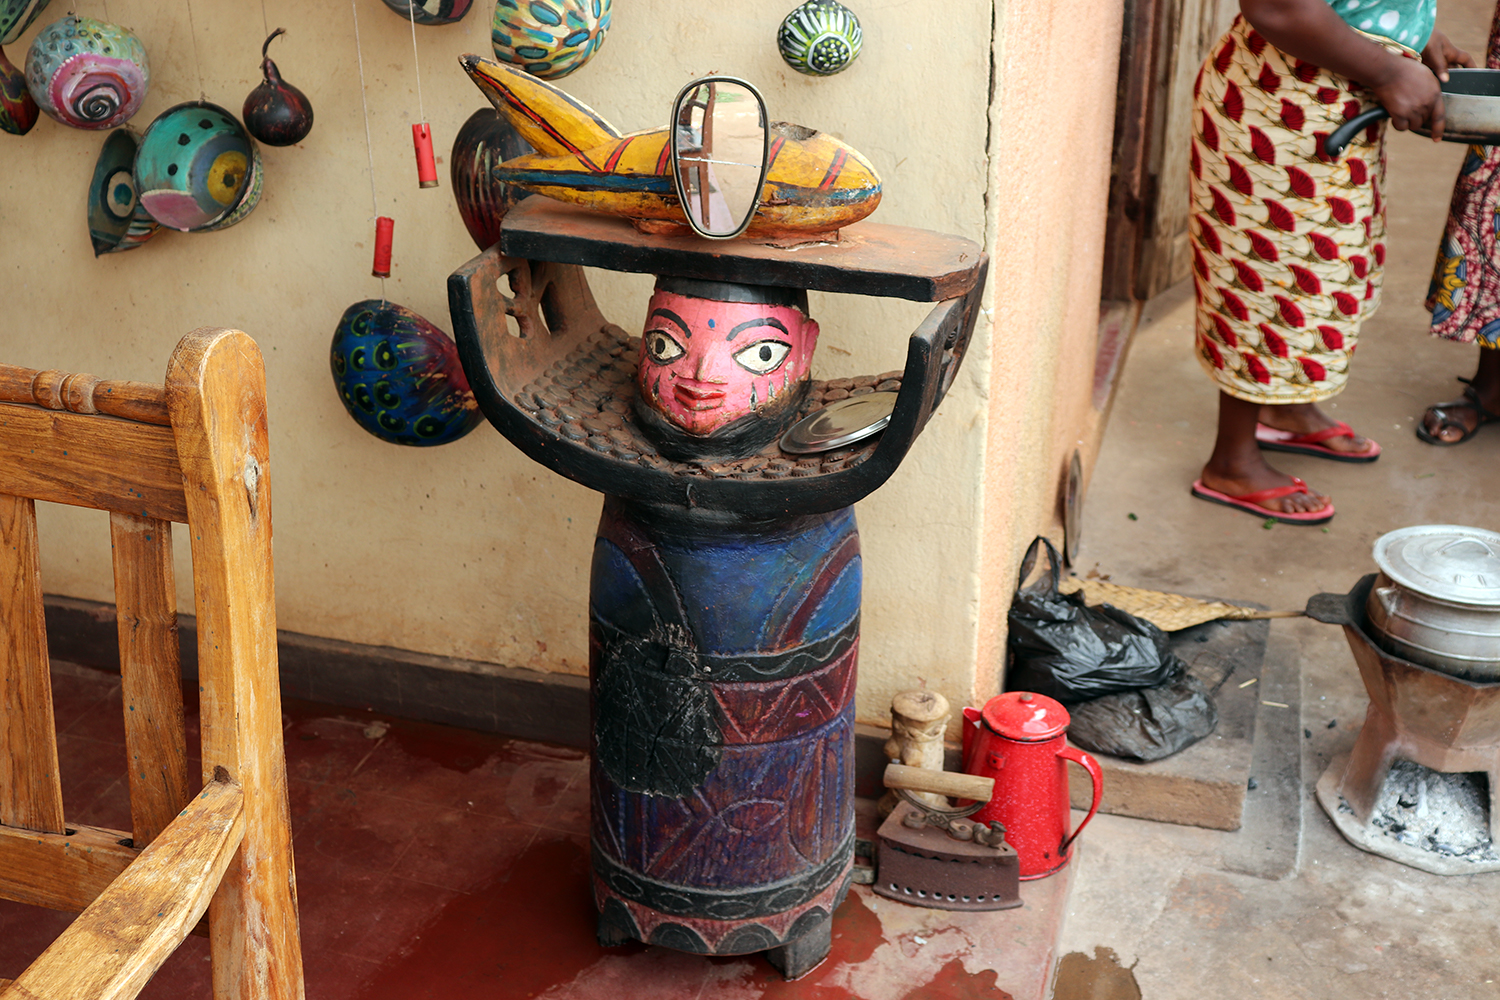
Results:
[1168, 612]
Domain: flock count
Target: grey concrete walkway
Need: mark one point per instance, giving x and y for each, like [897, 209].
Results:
[1168, 901]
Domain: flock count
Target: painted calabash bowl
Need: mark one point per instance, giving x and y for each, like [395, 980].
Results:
[194, 165]
[431, 11]
[16, 16]
[117, 222]
[399, 376]
[86, 73]
[484, 142]
[548, 38]
[820, 38]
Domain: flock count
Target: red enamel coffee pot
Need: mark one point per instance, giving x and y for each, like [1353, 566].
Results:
[1019, 739]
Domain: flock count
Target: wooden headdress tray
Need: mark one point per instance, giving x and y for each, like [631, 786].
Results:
[556, 378]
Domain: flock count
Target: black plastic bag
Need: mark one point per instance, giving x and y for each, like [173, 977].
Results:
[1062, 648]
[1148, 724]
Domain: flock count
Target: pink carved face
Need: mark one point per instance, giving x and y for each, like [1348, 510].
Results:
[705, 364]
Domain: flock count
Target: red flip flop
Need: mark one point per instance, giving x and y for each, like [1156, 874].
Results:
[1272, 439]
[1250, 503]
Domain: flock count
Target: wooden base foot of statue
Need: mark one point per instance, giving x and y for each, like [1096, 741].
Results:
[800, 956]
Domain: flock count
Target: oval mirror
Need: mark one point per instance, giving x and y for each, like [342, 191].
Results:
[719, 144]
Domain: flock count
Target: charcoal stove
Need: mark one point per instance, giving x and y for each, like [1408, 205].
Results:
[1432, 718]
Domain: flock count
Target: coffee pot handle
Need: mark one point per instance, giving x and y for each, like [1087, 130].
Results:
[970, 727]
[1092, 767]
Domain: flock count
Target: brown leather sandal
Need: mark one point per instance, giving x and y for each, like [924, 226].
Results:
[1446, 419]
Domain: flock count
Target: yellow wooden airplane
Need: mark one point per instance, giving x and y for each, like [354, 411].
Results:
[814, 184]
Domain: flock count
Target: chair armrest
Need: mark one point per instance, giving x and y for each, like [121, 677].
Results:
[116, 945]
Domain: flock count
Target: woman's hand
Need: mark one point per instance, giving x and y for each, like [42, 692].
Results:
[1441, 53]
[1410, 92]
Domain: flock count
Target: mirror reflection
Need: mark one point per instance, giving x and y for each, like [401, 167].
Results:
[719, 154]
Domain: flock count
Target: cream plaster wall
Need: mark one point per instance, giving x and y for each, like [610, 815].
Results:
[1051, 128]
[470, 550]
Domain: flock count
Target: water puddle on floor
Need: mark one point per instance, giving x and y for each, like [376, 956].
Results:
[1099, 978]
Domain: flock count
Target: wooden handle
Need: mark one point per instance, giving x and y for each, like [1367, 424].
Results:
[922, 779]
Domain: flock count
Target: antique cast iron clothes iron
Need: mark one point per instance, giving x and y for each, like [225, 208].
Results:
[1020, 740]
[936, 857]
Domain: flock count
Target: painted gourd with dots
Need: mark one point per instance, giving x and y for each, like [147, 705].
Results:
[399, 376]
[196, 167]
[548, 38]
[86, 73]
[820, 38]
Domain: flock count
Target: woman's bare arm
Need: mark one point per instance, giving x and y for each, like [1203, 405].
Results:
[1311, 31]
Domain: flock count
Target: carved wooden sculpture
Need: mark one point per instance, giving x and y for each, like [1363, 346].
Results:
[724, 599]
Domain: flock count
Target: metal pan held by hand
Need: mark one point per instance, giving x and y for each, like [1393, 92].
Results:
[1471, 105]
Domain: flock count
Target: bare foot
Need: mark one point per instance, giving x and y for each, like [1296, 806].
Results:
[1308, 418]
[1453, 422]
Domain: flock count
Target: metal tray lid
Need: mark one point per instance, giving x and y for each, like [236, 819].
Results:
[1448, 562]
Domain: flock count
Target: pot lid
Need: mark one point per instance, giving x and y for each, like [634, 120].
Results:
[842, 422]
[1448, 562]
[1023, 715]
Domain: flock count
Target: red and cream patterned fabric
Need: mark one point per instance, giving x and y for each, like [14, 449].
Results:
[1288, 244]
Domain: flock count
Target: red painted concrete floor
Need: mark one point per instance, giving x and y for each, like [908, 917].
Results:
[440, 862]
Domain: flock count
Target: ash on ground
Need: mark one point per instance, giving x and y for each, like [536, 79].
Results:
[1429, 810]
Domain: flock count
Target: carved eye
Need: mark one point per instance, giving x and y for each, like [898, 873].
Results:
[763, 356]
[661, 348]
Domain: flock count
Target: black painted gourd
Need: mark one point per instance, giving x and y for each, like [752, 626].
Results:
[277, 113]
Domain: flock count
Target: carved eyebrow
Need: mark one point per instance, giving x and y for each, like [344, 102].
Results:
[758, 321]
[672, 317]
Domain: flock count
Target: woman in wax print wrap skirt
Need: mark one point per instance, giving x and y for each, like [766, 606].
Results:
[1288, 242]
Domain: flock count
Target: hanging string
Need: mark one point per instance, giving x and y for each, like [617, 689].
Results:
[106, 12]
[265, 21]
[411, 12]
[192, 30]
[364, 104]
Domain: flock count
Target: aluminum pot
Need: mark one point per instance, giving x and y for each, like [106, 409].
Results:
[1471, 109]
[1436, 600]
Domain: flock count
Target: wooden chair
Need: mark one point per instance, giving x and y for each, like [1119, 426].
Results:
[192, 451]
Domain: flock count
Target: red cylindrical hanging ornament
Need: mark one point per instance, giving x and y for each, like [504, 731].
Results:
[421, 138]
[384, 227]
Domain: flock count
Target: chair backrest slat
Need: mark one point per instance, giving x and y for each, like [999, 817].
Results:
[74, 459]
[30, 789]
[150, 672]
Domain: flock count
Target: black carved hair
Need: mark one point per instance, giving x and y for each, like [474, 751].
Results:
[728, 291]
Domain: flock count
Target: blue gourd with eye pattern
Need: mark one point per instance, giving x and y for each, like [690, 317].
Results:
[399, 376]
